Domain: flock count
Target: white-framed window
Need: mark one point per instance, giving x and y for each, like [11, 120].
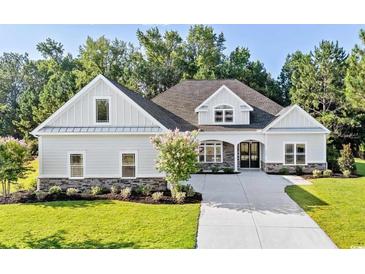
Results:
[102, 109]
[223, 114]
[211, 152]
[295, 153]
[76, 164]
[128, 164]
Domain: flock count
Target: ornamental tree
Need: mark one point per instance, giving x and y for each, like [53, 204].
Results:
[177, 155]
[346, 160]
[14, 159]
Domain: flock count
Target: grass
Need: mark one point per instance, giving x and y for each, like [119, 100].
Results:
[337, 205]
[98, 224]
[30, 181]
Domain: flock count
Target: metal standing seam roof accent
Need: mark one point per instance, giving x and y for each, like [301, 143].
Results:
[98, 129]
[296, 129]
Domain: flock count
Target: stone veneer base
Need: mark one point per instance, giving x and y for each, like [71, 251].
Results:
[158, 184]
[275, 167]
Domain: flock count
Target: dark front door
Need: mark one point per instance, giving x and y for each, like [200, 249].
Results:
[250, 155]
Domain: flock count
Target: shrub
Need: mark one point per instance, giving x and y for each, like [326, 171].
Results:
[215, 169]
[180, 197]
[96, 190]
[317, 173]
[346, 160]
[298, 170]
[284, 171]
[126, 192]
[146, 190]
[41, 195]
[157, 196]
[138, 190]
[115, 189]
[55, 190]
[228, 170]
[332, 156]
[188, 189]
[327, 173]
[71, 191]
[346, 173]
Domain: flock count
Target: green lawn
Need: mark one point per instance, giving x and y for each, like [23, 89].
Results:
[337, 205]
[98, 224]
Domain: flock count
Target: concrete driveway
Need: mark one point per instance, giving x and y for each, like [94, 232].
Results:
[251, 210]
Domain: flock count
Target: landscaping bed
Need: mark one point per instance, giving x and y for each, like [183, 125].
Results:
[32, 197]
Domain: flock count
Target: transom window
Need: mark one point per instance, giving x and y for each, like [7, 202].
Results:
[102, 110]
[128, 165]
[223, 114]
[210, 152]
[76, 163]
[295, 154]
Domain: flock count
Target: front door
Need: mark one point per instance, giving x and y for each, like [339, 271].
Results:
[250, 155]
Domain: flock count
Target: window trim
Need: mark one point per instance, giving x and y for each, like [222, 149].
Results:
[135, 152]
[215, 155]
[216, 108]
[110, 111]
[69, 164]
[295, 153]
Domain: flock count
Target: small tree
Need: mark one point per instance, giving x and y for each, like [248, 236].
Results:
[177, 155]
[14, 159]
[346, 160]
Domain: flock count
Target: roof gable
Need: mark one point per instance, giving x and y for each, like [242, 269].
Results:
[81, 106]
[295, 118]
[224, 95]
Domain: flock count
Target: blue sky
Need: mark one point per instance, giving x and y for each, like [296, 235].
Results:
[267, 43]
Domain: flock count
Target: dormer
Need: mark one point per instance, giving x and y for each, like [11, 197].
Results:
[224, 107]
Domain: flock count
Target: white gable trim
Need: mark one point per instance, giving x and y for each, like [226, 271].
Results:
[249, 108]
[273, 123]
[82, 92]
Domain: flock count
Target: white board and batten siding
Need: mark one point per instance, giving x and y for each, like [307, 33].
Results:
[296, 119]
[223, 97]
[102, 155]
[82, 112]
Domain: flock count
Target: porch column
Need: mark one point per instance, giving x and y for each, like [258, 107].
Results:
[235, 157]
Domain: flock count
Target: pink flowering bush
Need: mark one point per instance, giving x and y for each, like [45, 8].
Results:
[177, 155]
[14, 159]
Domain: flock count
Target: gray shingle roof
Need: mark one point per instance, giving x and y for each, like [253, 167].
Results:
[182, 99]
[98, 129]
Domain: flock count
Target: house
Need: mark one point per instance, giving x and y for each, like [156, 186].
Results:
[101, 136]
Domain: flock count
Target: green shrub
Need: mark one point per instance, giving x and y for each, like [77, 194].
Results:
[317, 173]
[284, 171]
[298, 170]
[215, 169]
[41, 195]
[346, 173]
[71, 191]
[327, 173]
[346, 160]
[188, 189]
[157, 196]
[180, 197]
[228, 170]
[55, 190]
[138, 190]
[115, 189]
[96, 190]
[146, 190]
[332, 158]
[126, 192]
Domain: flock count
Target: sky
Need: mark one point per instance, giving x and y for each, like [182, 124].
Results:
[268, 43]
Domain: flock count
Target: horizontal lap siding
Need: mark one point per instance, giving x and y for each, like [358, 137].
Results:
[316, 146]
[102, 154]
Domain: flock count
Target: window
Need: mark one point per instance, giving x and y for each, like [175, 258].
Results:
[210, 152]
[223, 114]
[295, 154]
[76, 161]
[102, 110]
[128, 165]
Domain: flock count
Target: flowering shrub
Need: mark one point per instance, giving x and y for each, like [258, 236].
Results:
[177, 155]
[55, 190]
[317, 173]
[96, 190]
[14, 159]
[180, 197]
[71, 191]
[157, 196]
[126, 192]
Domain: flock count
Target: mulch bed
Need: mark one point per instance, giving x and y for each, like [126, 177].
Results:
[335, 175]
[30, 197]
[216, 173]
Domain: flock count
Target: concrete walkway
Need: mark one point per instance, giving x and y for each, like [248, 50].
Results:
[251, 210]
